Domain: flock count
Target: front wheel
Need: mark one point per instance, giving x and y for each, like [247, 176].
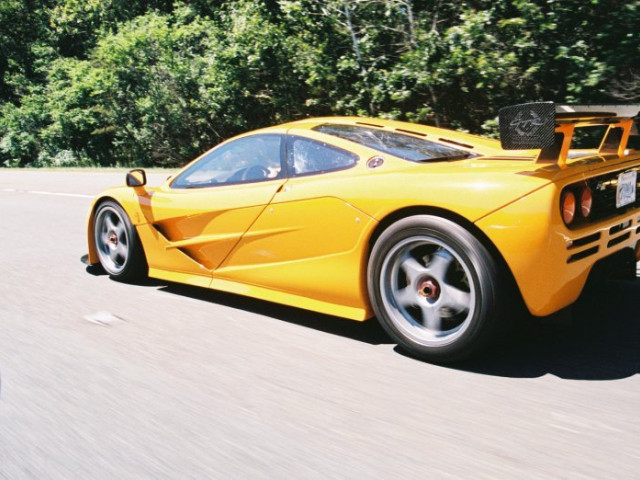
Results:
[117, 243]
[435, 288]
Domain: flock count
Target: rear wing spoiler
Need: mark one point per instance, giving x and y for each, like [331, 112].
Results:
[549, 127]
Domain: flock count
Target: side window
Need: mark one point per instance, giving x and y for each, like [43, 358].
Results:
[248, 159]
[308, 156]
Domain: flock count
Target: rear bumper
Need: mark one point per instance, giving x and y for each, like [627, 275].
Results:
[550, 263]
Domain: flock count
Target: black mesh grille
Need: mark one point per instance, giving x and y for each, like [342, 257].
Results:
[603, 189]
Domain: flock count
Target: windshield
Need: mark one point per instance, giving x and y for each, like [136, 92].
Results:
[393, 143]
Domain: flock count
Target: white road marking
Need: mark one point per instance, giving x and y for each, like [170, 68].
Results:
[39, 192]
[103, 318]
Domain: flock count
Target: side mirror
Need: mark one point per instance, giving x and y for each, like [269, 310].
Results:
[136, 178]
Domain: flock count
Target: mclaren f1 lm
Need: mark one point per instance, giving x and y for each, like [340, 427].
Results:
[437, 233]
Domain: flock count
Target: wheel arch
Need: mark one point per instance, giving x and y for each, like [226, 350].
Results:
[454, 217]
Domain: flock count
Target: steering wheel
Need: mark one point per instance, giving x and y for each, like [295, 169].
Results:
[255, 172]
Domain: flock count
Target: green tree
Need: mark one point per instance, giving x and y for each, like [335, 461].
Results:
[158, 82]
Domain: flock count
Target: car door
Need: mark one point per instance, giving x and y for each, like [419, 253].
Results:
[307, 241]
[196, 219]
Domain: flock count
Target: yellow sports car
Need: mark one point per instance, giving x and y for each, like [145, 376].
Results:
[437, 233]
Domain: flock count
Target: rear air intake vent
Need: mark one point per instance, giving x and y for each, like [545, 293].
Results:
[618, 228]
[584, 254]
[581, 242]
[619, 239]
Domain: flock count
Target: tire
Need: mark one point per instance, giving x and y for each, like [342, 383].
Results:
[436, 289]
[117, 243]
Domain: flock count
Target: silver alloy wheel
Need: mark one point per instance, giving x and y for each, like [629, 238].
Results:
[427, 291]
[112, 240]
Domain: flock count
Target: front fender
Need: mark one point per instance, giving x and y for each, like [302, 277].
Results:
[130, 199]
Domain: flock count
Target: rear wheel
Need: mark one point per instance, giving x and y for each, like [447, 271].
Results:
[435, 288]
[117, 243]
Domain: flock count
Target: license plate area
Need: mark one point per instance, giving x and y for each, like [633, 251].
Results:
[626, 190]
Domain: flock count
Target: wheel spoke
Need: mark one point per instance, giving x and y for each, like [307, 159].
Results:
[114, 242]
[439, 265]
[426, 290]
[122, 237]
[454, 298]
[406, 297]
[120, 228]
[108, 221]
[413, 269]
[121, 250]
[430, 318]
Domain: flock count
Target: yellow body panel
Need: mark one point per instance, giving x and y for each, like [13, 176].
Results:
[305, 241]
[204, 223]
[318, 255]
[536, 245]
[178, 277]
[285, 298]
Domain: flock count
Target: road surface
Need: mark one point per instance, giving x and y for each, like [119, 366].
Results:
[102, 380]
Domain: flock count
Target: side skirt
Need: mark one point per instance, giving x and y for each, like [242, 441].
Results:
[262, 293]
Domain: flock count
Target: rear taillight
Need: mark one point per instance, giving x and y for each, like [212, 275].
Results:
[586, 202]
[568, 207]
[576, 204]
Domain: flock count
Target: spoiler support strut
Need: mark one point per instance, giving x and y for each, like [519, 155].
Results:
[550, 127]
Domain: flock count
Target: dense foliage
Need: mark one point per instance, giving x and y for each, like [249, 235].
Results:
[108, 82]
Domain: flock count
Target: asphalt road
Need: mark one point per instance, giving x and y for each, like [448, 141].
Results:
[102, 380]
